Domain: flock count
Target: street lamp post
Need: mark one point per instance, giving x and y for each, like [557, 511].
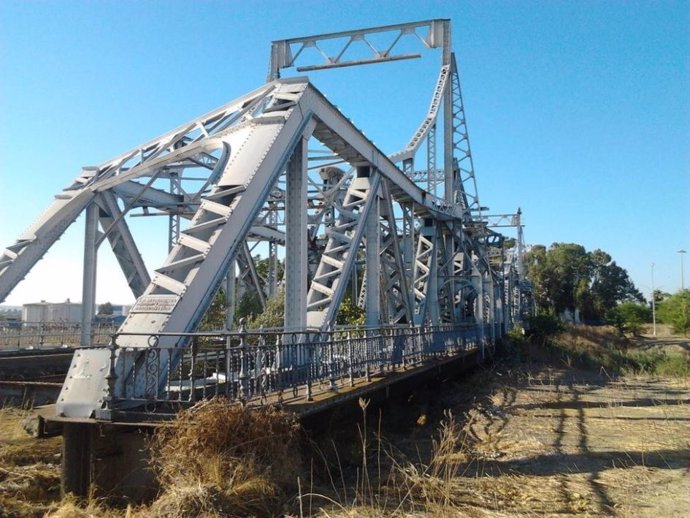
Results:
[653, 305]
[682, 272]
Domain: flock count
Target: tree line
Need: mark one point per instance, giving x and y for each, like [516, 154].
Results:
[589, 286]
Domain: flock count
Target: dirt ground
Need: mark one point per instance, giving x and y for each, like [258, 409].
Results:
[565, 442]
[537, 439]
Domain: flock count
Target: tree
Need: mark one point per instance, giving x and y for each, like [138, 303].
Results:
[610, 285]
[675, 311]
[558, 275]
[350, 313]
[248, 306]
[274, 314]
[262, 268]
[568, 278]
[105, 309]
[660, 295]
[214, 319]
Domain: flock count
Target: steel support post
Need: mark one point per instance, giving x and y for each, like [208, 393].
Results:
[354, 283]
[449, 273]
[296, 240]
[505, 302]
[77, 459]
[373, 266]
[501, 308]
[449, 179]
[89, 274]
[431, 179]
[408, 248]
[272, 281]
[230, 297]
[432, 299]
[490, 302]
[479, 308]
[174, 218]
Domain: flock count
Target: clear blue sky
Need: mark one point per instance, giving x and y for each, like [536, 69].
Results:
[578, 112]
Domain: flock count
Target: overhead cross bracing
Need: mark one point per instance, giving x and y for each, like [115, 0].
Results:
[283, 167]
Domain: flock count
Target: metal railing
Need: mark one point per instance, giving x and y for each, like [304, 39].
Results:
[260, 367]
[46, 335]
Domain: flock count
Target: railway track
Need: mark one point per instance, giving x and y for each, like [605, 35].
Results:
[32, 377]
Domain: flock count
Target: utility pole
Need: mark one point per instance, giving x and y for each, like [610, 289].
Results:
[682, 274]
[653, 305]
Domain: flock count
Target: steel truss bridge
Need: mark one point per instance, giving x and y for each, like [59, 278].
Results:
[281, 171]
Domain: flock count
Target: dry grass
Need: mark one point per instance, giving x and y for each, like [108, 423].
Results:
[69, 507]
[600, 347]
[539, 440]
[388, 484]
[221, 459]
[517, 441]
[29, 468]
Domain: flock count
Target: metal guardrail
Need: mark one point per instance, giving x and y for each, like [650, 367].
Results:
[260, 367]
[44, 335]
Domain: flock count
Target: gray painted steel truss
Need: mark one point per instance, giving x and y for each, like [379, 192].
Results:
[281, 171]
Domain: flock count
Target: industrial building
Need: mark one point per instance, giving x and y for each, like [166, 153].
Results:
[45, 312]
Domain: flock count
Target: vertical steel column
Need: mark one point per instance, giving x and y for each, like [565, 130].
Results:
[77, 459]
[272, 281]
[408, 248]
[520, 245]
[431, 179]
[408, 167]
[174, 218]
[478, 279]
[296, 240]
[373, 266]
[449, 272]
[506, 291]
[230, 296]
[89, 275]
[491, 313]
[432, 297]
[448, 149]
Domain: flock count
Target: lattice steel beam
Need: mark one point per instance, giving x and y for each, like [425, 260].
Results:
[285, 53]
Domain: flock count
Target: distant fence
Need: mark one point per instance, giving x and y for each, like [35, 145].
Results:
[45, 335]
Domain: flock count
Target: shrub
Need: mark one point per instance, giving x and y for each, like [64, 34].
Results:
[675, 311]
[629, 317]
[544, 326]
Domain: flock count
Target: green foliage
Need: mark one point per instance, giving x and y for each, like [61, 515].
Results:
[105, 309]
[660, 296]
[567, 277]
[616, 361]
[249, 306]
[274, 314]
[543, 327]
[262, 268]
[214, 319]
[350, 313]
[675, 311]
[673, 365]
[629, 317]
